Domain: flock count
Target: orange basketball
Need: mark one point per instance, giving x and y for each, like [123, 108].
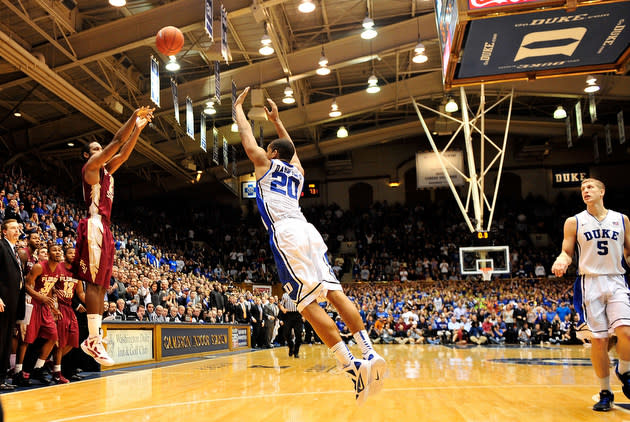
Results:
[169, 40]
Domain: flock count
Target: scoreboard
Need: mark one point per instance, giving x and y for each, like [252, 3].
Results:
[485, 41]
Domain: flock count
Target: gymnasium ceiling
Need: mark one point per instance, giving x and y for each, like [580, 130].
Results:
[63, 65]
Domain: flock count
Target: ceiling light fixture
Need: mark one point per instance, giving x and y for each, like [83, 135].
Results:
[559, 113]
[234, 128]
[266, 49]
[451, 106]
[17, 114]
[368, 29]
[288, 95]
[591, 85]
[373, 87]
[118, 3]
[70, 144]
[323, 69]
[334, 109]
[342, 132]
[209, 110]
[306, 6]
[172, 65]
[419, 56]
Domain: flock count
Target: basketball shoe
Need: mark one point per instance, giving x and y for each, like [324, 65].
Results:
[93, 346]
[625, 380]
[379, 366]
[605, 403]
[57, 378]
[359, 372]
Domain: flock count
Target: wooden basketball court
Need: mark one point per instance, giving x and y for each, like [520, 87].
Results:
[425, 383]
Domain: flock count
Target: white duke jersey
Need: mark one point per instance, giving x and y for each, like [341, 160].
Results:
[278, 193]
[600, 243]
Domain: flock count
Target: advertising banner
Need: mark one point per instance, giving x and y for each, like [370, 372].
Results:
[544, 40]
[429, 172]
[239, 338]
[183, 340]
[125, 346]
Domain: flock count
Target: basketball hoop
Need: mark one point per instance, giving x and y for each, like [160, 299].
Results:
[486, 273]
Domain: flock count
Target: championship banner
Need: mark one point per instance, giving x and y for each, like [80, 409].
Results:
[429, 173]
[233, 101]
[609, 149]
[544, 40]
[225, 154]
[155, 81]
[569, 134]
[208, 19]
[622, 128]
[595, 149]
[224, 28]
[202, 131]
[592, 107]
[233, 161]
[175, 99]
[579, 129]
[217, 83]
[190, 119]
[215, 146]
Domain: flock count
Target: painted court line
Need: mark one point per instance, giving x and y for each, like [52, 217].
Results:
[311, 393]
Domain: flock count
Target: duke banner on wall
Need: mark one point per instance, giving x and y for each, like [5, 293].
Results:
[429, 173]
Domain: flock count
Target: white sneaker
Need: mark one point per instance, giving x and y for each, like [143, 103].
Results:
[93, 346]
[359, 372]
[379, 367]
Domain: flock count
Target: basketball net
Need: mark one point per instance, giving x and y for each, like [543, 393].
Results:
[486, 273]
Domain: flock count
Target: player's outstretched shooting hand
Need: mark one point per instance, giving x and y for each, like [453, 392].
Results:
[144, 116]
[273, 113]
[241, 98]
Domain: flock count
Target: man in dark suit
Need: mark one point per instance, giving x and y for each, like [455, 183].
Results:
[257, 318]
[11, 294]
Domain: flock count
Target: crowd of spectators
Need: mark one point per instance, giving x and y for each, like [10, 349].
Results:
[183, 265]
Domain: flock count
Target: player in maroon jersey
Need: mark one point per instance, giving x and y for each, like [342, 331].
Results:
[34, 242]
[95, 243]
[39, 284]
[67, 326]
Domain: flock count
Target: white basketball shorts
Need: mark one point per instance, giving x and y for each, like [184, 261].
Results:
[605, 302]
[300, 255]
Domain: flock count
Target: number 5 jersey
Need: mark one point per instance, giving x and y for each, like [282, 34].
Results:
[600, 243]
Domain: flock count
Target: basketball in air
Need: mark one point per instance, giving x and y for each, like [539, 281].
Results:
[169, 40]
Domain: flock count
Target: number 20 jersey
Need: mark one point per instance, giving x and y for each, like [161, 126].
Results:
[600, 244]
[278, 193]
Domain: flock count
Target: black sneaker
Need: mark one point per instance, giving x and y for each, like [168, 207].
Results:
[605, 403]
[22, 379]
[625, 380]
[40, 375]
